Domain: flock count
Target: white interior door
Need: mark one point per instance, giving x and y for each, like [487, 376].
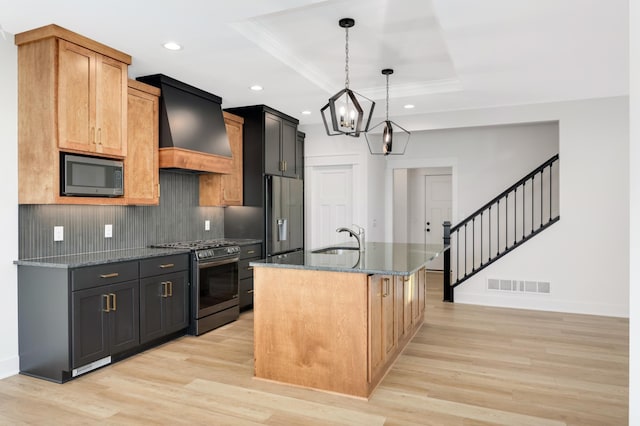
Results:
[331, 204]
[437, 209]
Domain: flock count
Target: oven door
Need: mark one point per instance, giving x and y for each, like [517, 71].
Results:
[216, 286]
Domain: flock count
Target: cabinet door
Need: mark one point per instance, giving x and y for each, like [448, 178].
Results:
[407, 294]
[272, 138]
[232, 183]
[177, 302]
[124, 328]
[415, 298]
[245, 291]
[76, 97]
[90, 330]
[288, 148]
[422, 290]
[152, 295]
[376, 327]
[389, 316]
[399, 301]
[111, 106]
[141, 163]
[300, 155]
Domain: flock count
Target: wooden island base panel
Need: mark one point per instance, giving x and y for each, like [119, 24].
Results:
[333, 331]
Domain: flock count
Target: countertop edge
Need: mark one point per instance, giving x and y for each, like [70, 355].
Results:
[335, 269]
[110, 256]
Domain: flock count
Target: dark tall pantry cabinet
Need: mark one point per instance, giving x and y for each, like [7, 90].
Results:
[272, 146]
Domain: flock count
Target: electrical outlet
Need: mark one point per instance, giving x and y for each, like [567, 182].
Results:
[58, 233]
[108, 231]
[207, 225]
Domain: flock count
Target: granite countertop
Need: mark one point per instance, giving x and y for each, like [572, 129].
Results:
[97, 258]
[242, 241]
[377, 258]
[121, 255]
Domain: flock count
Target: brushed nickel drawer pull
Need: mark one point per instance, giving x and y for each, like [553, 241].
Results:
[249, 268]
[111, 275]
[167, 265]
[114, 301]
[170, 284]
[251, 251]
[250, 291]
[164, 289]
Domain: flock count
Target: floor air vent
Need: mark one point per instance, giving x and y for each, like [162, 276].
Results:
[519, 286]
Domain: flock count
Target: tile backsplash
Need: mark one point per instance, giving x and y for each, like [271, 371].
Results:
[177, 218]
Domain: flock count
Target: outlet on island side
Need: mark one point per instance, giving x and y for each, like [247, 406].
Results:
[207, 225]
[58, 233]
[108, 231]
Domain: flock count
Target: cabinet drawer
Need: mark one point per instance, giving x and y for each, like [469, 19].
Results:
[251, 251]
[245, 291]
[163, 265]
[244, 270]
[108, 273]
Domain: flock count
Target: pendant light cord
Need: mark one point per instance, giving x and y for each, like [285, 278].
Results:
[387, 97]
[346, 52]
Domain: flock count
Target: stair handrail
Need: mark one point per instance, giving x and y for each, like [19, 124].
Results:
[505, 192]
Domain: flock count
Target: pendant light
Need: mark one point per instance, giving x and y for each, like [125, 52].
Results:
[387, 137]
[349, 112]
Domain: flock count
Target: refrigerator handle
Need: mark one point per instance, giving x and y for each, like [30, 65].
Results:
[282, 229]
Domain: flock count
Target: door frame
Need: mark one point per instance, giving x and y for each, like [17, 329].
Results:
[419, 163]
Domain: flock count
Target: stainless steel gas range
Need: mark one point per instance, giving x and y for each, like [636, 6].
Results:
[214, 283]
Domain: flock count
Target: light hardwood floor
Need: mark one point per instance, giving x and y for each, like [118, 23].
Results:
[467, 365]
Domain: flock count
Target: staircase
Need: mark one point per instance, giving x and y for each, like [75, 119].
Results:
[519, 213]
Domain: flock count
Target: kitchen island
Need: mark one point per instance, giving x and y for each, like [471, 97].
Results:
[335, 319]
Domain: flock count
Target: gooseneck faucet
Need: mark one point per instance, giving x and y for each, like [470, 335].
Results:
[359, 235]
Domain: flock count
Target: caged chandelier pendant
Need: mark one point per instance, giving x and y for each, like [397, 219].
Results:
[387, 137]
[349, 112]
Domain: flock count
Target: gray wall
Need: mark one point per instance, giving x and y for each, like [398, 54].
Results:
[177, 218]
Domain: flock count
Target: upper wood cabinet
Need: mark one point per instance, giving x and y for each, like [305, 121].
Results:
[226, 189]
[92, 101]
[72, 97]
[141, 164]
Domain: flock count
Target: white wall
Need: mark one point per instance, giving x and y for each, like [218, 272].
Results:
[594, 200]
[8, 207]
[634, 225]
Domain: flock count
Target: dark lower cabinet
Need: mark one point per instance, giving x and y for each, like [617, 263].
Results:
[164, 305]
[105, 321]
[74, 320]
[248, 254]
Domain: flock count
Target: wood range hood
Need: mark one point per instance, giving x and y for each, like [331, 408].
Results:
[193, 137]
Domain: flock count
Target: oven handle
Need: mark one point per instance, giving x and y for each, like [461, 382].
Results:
[217, 262]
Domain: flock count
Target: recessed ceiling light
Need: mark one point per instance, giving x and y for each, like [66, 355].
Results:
[409, 106]
[171, 45]
[256, 88]
[305, 112]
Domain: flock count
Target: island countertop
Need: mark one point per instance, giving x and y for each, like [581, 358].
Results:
[377, 258]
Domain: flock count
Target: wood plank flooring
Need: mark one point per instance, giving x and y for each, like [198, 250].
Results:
[468, 365]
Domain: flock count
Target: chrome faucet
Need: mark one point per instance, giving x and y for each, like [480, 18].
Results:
[359, 235]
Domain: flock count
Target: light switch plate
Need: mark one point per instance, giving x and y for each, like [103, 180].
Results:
[108, 231]
[58, 233]
[207, 225]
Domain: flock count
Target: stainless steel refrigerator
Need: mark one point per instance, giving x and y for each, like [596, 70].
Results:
[284, 215]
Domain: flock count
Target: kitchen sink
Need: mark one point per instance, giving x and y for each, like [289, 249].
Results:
[335, 250]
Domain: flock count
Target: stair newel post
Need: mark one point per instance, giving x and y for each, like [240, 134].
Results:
[446, 275]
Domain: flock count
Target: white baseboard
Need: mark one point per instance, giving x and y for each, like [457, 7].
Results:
[9, 367]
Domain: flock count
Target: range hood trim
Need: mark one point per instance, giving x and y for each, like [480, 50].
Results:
[176, 152]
